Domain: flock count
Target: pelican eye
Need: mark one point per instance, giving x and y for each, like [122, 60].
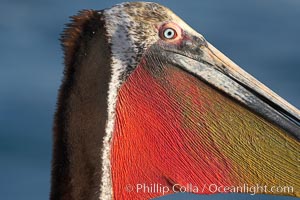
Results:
[169, 33]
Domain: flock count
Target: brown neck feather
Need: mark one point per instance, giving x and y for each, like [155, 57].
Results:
[80, 119]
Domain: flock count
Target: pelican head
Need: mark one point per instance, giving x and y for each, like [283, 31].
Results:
[146, 99]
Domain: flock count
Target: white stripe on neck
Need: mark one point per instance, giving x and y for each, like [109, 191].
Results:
[123, 52]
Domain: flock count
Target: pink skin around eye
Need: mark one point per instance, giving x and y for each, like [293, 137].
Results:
[175, 27]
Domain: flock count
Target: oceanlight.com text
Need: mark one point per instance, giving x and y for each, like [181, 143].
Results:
[207, 188]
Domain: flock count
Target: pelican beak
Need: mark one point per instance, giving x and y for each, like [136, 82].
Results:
[210, 65]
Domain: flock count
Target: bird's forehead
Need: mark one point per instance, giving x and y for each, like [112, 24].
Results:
[146, 14]
[142, 12]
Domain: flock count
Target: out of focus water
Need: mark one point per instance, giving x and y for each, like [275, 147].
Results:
[260, 35]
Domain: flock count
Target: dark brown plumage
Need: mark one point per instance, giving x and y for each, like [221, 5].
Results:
[81, 110]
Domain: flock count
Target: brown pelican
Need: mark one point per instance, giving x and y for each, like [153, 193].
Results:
[147, 100]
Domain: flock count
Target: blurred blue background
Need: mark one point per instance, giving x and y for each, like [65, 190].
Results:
[262, 36]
